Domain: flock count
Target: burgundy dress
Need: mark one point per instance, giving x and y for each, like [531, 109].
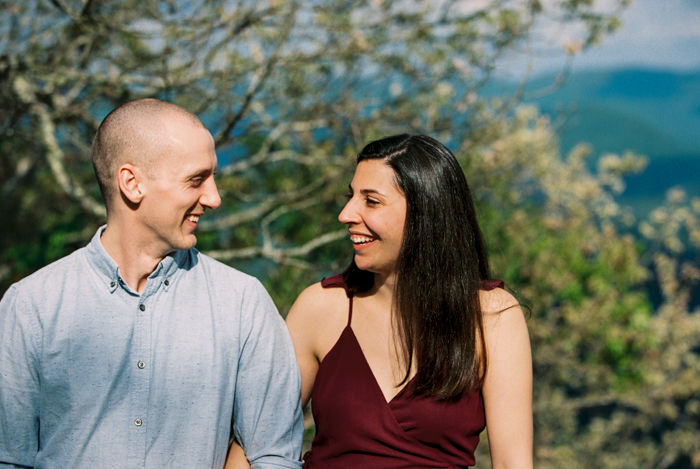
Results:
[357, 428]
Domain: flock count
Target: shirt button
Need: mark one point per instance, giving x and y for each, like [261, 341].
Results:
[142, 307]
[142, 365]
[137, 422]
[111, 285]
[166, 283]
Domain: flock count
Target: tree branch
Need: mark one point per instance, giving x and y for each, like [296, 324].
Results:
[280, 255]
[263, 155]
[265, 206]
[54, 154]
[258, 80]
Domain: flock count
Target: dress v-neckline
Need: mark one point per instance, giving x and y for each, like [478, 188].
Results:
[371, 373]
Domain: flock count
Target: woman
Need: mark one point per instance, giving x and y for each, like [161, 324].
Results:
[411, 351]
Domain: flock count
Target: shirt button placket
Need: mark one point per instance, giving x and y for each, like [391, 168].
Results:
[139, 387]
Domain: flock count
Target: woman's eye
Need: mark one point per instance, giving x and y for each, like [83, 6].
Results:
[372, 202]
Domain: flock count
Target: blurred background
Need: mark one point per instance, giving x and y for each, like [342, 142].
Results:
[576, 122]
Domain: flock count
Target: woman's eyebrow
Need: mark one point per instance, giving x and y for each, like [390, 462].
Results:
[366, 191]
[371, 191]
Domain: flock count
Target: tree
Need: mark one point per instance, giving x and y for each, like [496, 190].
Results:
[291, 92]
[616, 374]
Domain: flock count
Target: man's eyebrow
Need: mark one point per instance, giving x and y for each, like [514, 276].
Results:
[202, 172]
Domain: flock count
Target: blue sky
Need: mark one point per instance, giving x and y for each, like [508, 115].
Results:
[658, 34]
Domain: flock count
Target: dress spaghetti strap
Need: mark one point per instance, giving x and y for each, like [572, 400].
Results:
[337, 281]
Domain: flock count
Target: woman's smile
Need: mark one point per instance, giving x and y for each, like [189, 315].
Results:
[375, 215]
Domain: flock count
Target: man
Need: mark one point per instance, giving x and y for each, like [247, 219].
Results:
[137, 351]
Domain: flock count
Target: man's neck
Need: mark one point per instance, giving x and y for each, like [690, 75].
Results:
[134, 257]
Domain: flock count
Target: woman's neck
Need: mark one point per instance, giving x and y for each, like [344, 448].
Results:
[383, 287]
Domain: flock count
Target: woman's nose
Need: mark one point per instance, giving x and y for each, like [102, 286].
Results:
[349, 214]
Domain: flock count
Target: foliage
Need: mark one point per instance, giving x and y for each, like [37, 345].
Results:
[291, 92]
[616, 375]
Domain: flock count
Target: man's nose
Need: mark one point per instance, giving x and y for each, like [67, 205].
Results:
[211, 198]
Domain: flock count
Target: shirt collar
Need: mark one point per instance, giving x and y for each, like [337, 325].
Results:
[108, 270]
[167, 268]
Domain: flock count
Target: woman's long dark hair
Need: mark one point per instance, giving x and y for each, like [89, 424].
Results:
[440, 266]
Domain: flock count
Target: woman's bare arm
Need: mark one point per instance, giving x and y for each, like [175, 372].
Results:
[304, 323]
[507, 387]
[236, 457]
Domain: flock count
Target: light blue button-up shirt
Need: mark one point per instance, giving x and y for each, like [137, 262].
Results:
[94, 375]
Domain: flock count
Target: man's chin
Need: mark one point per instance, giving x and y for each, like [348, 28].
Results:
[188, 242]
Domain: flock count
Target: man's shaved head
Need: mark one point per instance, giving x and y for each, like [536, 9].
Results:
[135, 133]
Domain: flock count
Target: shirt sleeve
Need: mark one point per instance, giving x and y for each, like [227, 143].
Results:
[267, 416]
[19, 384]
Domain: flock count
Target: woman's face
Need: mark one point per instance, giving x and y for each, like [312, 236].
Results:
[375, 215]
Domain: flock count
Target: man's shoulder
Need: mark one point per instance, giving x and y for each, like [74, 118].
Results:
[227, 285]
[45, 288]
[216, 266]
[220, 272]
[51, 273]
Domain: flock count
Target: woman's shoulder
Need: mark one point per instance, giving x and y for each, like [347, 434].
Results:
[321, 301]
[335, 281]
[329, 288]
[317, 319]
[503, 318]
[495, 299]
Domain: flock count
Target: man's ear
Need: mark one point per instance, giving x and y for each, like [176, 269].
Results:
[129, 178]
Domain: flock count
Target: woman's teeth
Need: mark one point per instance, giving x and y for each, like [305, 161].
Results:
[360, 239]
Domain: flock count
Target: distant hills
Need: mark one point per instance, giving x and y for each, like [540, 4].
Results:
[651, 112]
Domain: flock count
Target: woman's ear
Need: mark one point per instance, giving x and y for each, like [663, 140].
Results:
[129, 179]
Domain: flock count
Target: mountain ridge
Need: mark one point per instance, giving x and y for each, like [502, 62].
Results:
[664, 103]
